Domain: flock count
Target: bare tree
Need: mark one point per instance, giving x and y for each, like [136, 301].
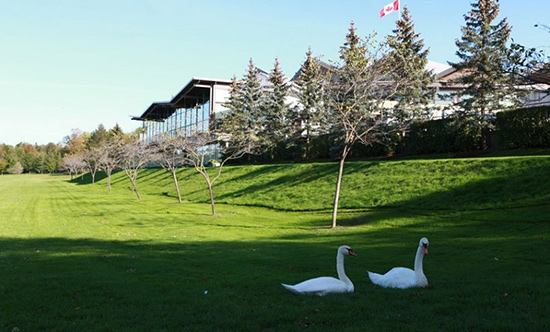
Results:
[91, 158]
[134, 155]
[109, 159]
[200, 148]
[361, 94]
[74, 164]
[170, 153]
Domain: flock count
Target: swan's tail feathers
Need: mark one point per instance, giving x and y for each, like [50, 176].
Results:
[374, 277]
[290, 288]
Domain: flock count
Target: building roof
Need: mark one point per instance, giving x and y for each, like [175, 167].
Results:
[196, 91]
[156, 112]
[437, 67]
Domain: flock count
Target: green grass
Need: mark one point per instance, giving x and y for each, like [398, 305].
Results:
[74, 257]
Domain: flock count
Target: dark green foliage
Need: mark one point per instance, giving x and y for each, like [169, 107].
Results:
[116, 131]
[243, 120]
[275, 111]
[31, 158]
[524, 128]
[483, 55]
[100, 136]
[410, 59]
[442, 136]
[310, 115]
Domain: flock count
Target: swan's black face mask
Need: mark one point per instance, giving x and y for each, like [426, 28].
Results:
[351, 252]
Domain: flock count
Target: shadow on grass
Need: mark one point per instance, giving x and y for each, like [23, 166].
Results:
[285, 182]
[63, 284]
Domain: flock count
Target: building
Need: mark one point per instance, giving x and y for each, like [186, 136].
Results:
[201, 101]
[192, 110]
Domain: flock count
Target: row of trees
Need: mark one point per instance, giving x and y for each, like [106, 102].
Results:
[369, 96]
[377, 89]
[30, 158]
[33, 158]
[128, 153]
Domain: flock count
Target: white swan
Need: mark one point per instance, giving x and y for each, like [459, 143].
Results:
[401, 277]
[327, 285]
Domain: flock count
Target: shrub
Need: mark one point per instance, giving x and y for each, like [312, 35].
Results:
[524, 128]
[15, 169]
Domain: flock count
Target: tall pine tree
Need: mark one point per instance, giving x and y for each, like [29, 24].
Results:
[275, 115]
[483, 52]
[410, 59]
[310, 113]
[243, 122]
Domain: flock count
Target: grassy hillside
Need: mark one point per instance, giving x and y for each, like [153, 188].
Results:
[74, 257]
[458, 184]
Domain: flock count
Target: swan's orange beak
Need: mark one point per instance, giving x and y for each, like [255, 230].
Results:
[425, 248]
[352, 253]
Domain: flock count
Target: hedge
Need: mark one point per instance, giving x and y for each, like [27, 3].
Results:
[524, 128]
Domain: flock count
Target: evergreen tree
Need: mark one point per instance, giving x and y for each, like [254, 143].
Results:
[275, 110]
[243, 120]
[483, 55]
[116, 131]
[98, 137]
[52, 160]
[252, 97]
[410, 59]
[310, 113]
[235, 121]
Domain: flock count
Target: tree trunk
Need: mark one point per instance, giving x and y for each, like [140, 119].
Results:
[338, 184]
[308, 142]
[133, 179]
[135, 188]
[211, 192]
[108, 172]
[176, 184]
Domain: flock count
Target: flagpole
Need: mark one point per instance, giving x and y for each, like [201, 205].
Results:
[399, 11]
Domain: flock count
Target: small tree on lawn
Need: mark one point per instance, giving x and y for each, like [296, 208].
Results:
[92, 159]
[360, 94]
[134, 156]
[310, 113]
[109, 158]
[74, 164]
[199, 148]
[170, 153]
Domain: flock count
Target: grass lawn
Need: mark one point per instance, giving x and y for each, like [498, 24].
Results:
[74, 257]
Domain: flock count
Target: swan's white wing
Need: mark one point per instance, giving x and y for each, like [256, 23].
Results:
[398, 277]
[320, 286]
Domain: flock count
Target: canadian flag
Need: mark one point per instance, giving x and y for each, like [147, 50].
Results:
[389, 8]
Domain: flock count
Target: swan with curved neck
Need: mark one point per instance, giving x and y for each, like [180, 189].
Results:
[401, 277]
[327, 285]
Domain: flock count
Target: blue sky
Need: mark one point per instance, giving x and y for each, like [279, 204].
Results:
[68, 64]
